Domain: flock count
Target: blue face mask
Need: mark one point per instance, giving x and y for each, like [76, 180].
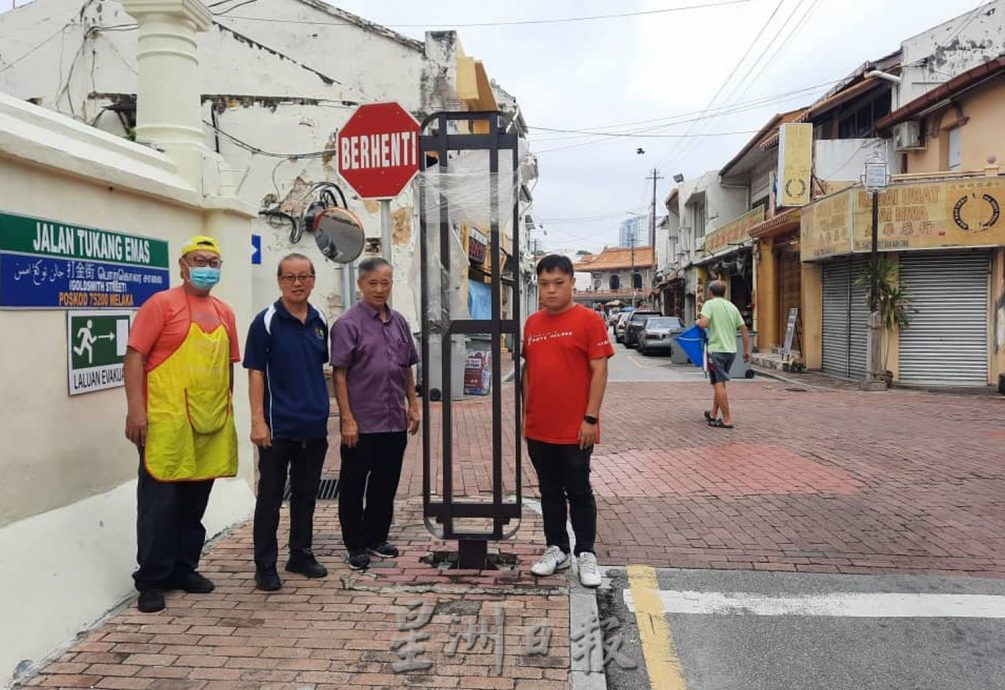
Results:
[204, 277]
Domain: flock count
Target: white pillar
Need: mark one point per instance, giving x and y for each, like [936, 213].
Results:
[169, 98]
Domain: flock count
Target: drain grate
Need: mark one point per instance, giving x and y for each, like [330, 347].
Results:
[327, 489]
[796, 390]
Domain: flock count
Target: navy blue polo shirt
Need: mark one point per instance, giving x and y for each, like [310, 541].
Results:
[291, 354]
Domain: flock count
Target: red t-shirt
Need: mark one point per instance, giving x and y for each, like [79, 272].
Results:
[558, 350]
[162, 324]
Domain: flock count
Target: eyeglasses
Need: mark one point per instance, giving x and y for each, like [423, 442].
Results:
[290, 279]
[203, 262]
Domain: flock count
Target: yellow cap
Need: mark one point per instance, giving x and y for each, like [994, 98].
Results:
[203, 242]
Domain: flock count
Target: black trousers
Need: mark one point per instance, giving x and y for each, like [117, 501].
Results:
[303, 461]
[563, 473]
[169, 530]
[373, 469]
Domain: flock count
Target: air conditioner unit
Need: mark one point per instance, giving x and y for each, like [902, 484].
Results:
[907, 135]
[699, 244]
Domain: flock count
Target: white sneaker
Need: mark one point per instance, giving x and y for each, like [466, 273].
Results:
[551, 560]
[589, 575]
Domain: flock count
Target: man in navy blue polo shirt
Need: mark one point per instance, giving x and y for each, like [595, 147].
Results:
[286, 350]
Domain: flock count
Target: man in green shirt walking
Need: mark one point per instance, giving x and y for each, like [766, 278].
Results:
[720, 318]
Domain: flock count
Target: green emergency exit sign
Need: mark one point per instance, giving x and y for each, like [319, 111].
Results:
[95, 349]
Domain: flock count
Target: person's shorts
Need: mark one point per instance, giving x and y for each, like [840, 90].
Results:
[719, 364]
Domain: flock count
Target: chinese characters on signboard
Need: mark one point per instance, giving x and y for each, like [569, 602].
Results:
[954, 213]
[733, 232]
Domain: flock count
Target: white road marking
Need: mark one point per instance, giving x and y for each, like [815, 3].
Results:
[842, 604]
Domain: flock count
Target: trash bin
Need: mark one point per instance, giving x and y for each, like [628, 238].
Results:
[741, 369]
[677, 354]
[692, 343]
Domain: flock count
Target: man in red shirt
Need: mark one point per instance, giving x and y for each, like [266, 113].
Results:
[566, 347]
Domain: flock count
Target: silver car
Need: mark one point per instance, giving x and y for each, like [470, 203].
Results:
[658, 334]
[619, 326]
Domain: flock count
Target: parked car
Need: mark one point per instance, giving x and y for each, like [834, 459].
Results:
[659, 333]
[636, 322]
[612, 318]
[619, 326]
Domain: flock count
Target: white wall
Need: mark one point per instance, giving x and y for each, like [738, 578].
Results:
[843, 160]
[68, 468]
[942, 52]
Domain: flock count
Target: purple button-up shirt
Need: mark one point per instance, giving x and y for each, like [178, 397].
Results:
[376, 356]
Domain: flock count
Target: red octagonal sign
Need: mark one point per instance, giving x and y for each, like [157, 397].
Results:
[378, 150]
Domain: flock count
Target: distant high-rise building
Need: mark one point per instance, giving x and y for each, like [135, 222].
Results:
[634, 232]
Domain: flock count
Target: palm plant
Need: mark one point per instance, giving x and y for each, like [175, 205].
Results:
[889, 298]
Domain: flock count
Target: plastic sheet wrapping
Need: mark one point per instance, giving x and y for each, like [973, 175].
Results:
[461, 206]
[463, 197]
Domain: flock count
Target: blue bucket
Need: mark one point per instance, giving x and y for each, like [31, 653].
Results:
[692, 342]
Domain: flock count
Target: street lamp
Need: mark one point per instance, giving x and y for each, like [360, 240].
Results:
[875, 180]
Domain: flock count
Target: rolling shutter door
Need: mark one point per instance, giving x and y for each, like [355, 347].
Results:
[835, 318]
[859, 326]
[845, 318]
[946, 343]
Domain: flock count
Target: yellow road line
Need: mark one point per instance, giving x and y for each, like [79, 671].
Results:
[664, 667]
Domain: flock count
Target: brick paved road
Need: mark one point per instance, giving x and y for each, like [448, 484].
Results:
[334, 633]
[816, 481]
[813, 480]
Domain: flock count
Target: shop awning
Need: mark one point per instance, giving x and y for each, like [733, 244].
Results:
[730, 251]
[783, 222]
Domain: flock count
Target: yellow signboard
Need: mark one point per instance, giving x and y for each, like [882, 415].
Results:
[956, 213]
[733, 232]
[825, 227]
[795, 164]
[929, 215]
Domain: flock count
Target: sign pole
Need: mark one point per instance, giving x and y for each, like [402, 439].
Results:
[875, 180]
[385, 235]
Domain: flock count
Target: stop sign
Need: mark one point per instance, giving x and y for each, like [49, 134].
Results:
[378, 150]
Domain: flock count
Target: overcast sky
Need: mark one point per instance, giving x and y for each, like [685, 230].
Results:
[607, 72]
[649, 71]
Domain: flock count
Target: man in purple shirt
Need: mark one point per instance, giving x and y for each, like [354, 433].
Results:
[372, 353]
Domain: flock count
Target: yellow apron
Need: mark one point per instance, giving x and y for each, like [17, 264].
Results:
[190, 433]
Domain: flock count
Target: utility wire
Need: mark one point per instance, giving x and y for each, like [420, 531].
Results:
[566, 134]
[678, 151]
[518, 22]
[744, 82]
[799, 25]
[262, 152]
[36, 47]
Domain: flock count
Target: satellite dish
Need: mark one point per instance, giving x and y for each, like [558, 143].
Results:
[339, 234]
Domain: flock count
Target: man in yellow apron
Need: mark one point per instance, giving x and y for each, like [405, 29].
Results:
[178, 380]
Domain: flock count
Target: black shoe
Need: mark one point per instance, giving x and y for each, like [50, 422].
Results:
[358, 560]
[150, 601]
[193, 583]
[384, 550]
[303, 562]
[268, 580]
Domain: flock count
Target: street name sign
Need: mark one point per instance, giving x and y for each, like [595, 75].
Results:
[378, 150]
[47, 264]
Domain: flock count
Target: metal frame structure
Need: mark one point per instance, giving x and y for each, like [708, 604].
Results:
[437, 141]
